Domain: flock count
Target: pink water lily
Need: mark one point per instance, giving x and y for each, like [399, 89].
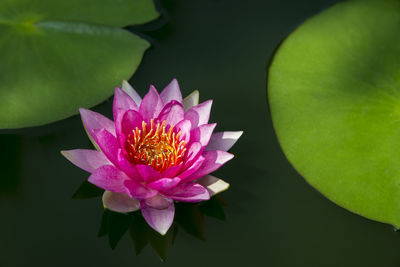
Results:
[158, 150]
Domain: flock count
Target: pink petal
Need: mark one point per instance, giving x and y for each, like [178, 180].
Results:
[125, 123]
[151, 105]
[164, 183]
[172, 171]
[158, 202]
[184, 126]
[202, 134]
[118, 126]
[195, 150]
[122, 101]
[120, 202]
[108, 144]
[213, 184]
[172, 113]
[192, 169]
[159, 220]
[200, 114]
[127, 167]
[127, 88]
[109, 178]
[213, 160]
[95, 121]
[171, 92]
[86, 159]
[223, 140]
[147, 173]
[138, 191]
[130, 120]
[188, 192]
[191, 100]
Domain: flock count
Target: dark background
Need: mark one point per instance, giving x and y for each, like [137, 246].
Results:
[274, 218]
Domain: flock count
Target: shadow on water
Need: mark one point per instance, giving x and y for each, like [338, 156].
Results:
[10, 160]
[190, 217]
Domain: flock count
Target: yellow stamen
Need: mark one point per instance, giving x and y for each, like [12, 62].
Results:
[155, 146]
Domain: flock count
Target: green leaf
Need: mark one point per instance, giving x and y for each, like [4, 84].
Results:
[142, 234]
[175, 231]
[213, 208]
[138, 232]
[57, 56]
[118, 224]
[334, 95]
[103, 230]
[87, 190]
[160, 243]
[191, 220]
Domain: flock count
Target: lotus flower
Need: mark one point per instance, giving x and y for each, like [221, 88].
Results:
[158, 150]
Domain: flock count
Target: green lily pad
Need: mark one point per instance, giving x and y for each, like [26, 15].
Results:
[334, 95]
[57, 55]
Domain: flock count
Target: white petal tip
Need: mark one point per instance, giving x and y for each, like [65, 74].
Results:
[223, 140]
[191, 100]
[119, 202]
[66, 154]
[213, 184]
[162, 232]
[126, 85]
[218, 187]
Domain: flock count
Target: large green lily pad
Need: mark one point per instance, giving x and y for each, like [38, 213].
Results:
[59, 55]
[334, 95]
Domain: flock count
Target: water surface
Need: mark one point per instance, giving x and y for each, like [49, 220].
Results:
[274, 218]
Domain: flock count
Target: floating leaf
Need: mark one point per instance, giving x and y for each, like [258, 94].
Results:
[334, 94]
[160, 243]
[189, 216]
[57, 56]
[103, 230]
[138, 232]
[118, 224]
[175, 231]
[191, 220]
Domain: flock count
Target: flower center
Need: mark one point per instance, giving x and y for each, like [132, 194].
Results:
[156, 145]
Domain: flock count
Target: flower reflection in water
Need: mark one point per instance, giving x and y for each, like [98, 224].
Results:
[190, 217]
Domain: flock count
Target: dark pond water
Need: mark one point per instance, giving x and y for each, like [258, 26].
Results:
[273, 217]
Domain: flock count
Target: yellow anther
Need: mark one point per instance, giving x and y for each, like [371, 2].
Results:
[153, 145]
